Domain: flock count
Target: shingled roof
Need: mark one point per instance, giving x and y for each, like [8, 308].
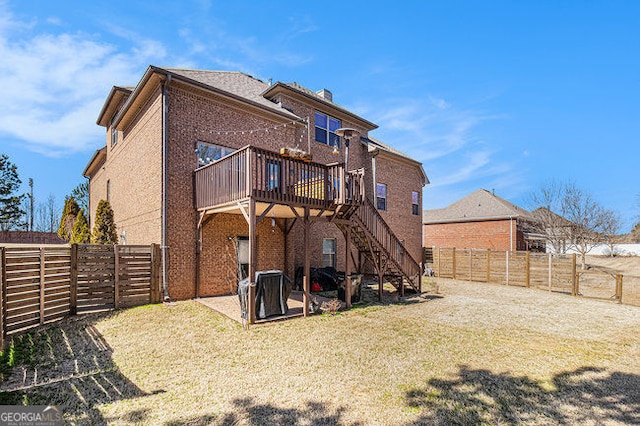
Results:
[478, 206]
[233, 82]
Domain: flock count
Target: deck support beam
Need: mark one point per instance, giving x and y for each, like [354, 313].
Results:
[306, 281]
[347, 269]
[253, 258]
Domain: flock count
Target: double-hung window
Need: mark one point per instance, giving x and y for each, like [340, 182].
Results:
[381, 196]
[329, 252]
[415, 203]
[326, 127]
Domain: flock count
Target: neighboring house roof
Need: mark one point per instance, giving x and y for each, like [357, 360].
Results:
[478, 206]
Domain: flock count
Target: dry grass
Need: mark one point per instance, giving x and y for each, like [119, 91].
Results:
[472, 354]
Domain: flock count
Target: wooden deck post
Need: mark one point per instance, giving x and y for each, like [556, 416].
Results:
[3, 299]
[253, 257]
[73, 281]
[42, 293]
[307, 264]
[347, 269]
[116, 276]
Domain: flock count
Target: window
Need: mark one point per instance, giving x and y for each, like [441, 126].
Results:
[381, 196]
[208, 153]
[415, 203]
[326, 127]
[114, 136]
[273, 174]
[329, 252]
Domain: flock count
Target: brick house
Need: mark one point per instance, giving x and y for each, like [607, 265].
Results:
[232, 175]
[481, 220]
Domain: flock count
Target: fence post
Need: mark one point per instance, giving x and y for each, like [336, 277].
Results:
[154, 291]
[574, 278]
[3, 311]
[470, 264]
[116, 279]
[453, 263]
[619, 287]
[488, 265]
[439, 257]
[42, 285]
[528, 268]
[550, 270]
[73, 281]
[507, 267]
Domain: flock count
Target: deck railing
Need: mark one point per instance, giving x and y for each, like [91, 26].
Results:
[267, 176]
[371, 220]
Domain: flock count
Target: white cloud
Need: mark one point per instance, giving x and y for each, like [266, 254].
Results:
[54, 84]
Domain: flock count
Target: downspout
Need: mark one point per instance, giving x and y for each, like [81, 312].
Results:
[374, 153]
[165, 150]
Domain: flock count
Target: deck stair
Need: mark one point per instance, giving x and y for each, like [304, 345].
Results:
[379, 245]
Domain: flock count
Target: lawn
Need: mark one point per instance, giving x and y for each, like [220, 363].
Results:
[472, 354]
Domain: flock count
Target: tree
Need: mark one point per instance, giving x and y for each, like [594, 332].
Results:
[570, 217]
[80, 233]
[68, 217]
[104, 229]
[549, 216]
[81, 194]
[635, 233]
[588, 218]
[48, 215]
[11, 212]
[611, 224]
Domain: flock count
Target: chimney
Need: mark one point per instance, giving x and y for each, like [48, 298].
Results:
[325, 94]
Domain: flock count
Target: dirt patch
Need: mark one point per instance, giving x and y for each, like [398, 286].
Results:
[471, 354]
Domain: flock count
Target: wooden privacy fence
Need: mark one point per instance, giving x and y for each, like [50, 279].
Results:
[44, 284]
[552, 272]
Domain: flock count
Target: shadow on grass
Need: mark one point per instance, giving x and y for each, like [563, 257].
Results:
[247, 411]
[68, 364]
[586, 395]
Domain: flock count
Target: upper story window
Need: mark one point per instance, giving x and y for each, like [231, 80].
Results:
[326, 127]
[381, 196]
[208, 153]
[114, 136]
[415, 203]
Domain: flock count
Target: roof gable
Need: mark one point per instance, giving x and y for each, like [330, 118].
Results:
[478, 206]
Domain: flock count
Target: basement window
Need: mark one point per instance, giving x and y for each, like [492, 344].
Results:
[328, 252]
[381, 196]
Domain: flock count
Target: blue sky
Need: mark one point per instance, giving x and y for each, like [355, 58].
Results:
[499, 95]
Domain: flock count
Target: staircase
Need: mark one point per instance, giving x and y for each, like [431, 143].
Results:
[377, 243]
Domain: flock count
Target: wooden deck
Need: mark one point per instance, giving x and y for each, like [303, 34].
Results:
[230, 306]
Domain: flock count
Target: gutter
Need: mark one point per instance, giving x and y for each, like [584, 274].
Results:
[165, 150]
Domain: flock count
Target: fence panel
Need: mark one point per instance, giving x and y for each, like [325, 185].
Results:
[44, 284]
